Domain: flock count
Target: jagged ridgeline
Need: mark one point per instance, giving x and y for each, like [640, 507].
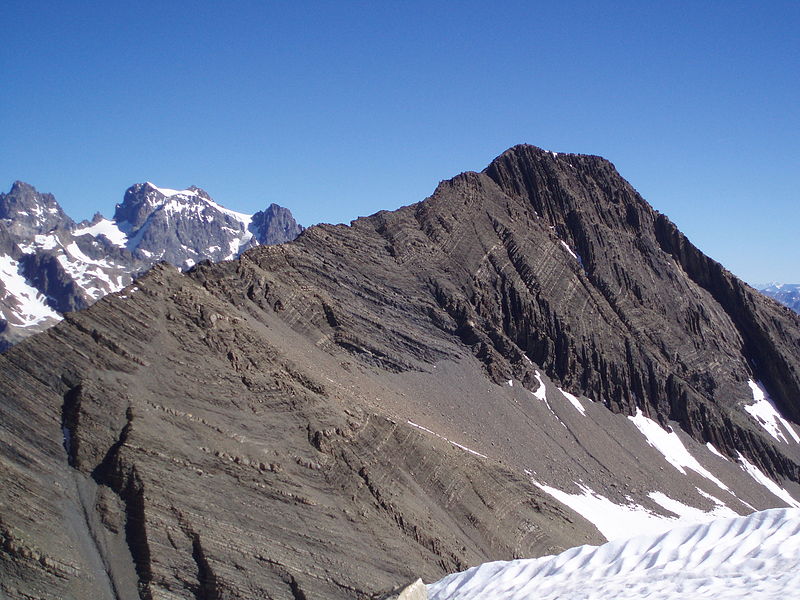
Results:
[50, 265]
[514, 366]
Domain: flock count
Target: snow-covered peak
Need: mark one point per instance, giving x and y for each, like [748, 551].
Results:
[168, 193]
[182, 227]
[53, 265]
[194, 194]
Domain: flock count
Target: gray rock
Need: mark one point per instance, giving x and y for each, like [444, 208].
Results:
[344, 413]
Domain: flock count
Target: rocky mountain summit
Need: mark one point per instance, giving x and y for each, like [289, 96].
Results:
[50, 265]
[785, 293]
[530, 359]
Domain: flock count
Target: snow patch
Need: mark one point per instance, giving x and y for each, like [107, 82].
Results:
[89, 274]
[764, 480]
[570, 250]
[46, 242]
[168, 193]
[671, 447]
[106, 228]
[713, 450]
[685, 512]
[616, 521]
[765, 414]
[574, 401]
[541, 394]
[31, 306]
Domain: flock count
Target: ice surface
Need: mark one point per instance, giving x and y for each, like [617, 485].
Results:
[757, 556]
[764, 412]
[671, 446]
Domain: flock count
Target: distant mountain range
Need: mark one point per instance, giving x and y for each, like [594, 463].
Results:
[49, 264]
[785, 293]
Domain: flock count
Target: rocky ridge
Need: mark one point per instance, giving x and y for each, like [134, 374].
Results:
[457, 381]
[50, 265]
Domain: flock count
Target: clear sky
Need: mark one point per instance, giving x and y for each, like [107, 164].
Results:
[340, 109]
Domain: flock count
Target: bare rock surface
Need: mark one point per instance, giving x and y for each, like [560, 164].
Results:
[373, 403]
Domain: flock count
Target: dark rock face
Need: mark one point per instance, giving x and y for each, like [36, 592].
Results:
[57, 265]
[785, 293]
[342, 414]
[275, 224]
[690, 330]
[27, 212]
[45, 273]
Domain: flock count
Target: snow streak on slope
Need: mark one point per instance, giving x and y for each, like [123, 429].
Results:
[757, 556]
[541, 394]
[671, 446]
[762, 478]
[764, 412]
[617, 521]
[456, 444]
[574, 401]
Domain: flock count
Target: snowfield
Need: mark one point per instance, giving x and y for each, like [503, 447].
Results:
[754, 557]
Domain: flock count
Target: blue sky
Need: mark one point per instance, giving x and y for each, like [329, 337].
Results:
[340, 109]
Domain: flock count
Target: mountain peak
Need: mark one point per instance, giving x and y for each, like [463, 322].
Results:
[58, 265]
[21, 187]
[382, 389]
[31, 212]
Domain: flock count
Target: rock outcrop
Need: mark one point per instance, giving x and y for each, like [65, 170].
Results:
[373, 403]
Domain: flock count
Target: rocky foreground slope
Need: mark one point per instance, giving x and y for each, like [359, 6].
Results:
[50, 265]
[519, 364]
